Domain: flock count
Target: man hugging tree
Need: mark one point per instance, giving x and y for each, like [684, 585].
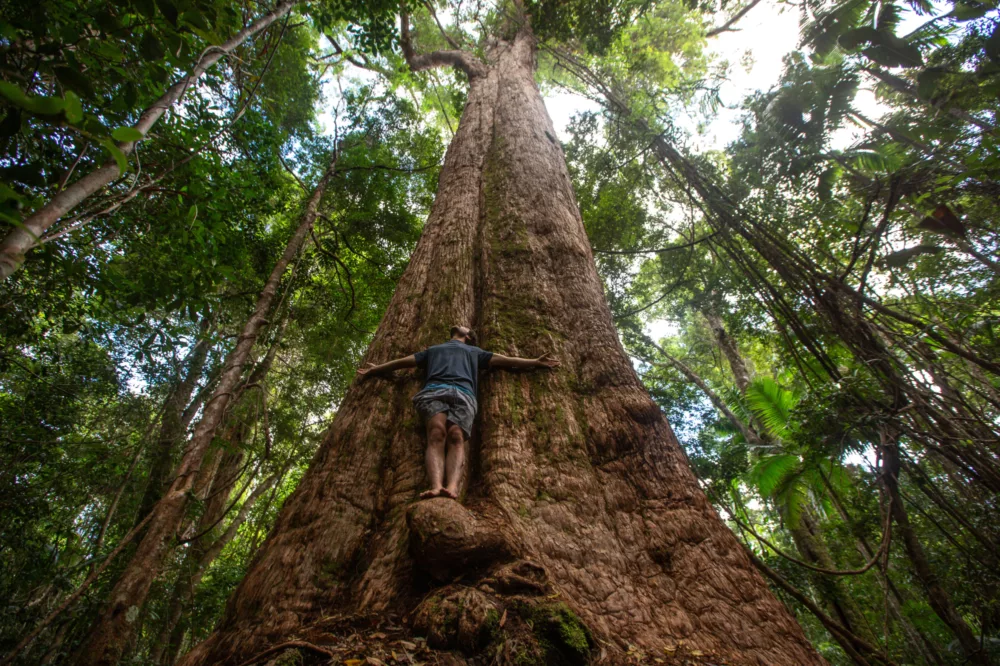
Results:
[447, 402]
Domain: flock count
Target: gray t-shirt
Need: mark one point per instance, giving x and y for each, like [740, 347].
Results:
[454, 363]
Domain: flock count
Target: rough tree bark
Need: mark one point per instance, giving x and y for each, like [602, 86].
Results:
[21, 239]
[578, 487]
[117, 622]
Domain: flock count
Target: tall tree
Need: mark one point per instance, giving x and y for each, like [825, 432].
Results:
[115, 626]
[579, 489]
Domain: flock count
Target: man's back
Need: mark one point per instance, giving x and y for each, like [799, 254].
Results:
[454, 363]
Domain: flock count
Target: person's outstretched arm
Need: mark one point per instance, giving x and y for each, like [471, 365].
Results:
[543, 361]
[372, 369]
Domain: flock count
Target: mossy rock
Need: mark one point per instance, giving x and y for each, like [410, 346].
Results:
[289, 658]
[560, 633]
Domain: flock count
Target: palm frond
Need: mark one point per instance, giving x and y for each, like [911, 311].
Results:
[770, 473]
[792, 500]
[771, 405]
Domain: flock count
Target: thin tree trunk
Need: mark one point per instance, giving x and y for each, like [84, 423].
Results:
[904, 87]
[825, 293]
[172, 426]
[215, 497]
[24, 237]
[844, 638]
[166, 648]
[937, 596]
[738, 366]
[197, 561]
[115, 626]
[919, 642]
[804, 534]
[748, 434]
[812, 549]
[576, 478]
[113, 507]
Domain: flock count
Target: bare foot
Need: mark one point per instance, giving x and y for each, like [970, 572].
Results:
[448, 492]
[433, 492]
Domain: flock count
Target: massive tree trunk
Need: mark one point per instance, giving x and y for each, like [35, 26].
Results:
[577, 490]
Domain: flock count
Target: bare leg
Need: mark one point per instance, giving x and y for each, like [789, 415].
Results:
[456, 461]
[434, 457]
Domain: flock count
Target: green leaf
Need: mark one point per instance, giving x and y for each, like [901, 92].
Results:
[968, 11]
[151, 48]
[875, 161]
[192, 214]
[145, 7]
[43, 106]
[168, 10]
[891, 51]
[196, 20]
[929, 81]
[992, 45]
[74, 109]
[127, 134]
[117, 154]
[8, 194]
[792, 499]
[73, 79]
[857, 37]
[827, 180]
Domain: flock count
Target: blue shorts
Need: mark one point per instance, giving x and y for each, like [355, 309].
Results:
[459, 407]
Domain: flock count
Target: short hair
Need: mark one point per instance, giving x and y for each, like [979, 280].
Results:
[470, 337]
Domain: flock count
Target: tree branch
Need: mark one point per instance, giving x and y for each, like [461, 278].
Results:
[448, 38]
[458, 59]
[728, 25]
[668, 248]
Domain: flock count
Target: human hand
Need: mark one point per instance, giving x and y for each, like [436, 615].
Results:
[365, 370]
[547, 361]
